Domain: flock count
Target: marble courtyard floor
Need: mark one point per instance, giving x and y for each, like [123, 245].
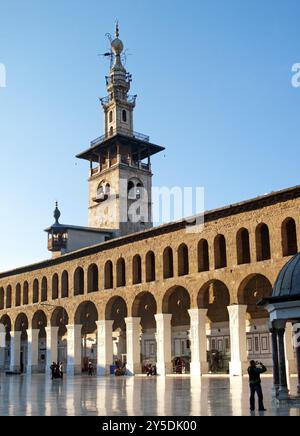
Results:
[122, 396]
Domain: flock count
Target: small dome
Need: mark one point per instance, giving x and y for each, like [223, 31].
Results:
[117, 46]
[288, 280]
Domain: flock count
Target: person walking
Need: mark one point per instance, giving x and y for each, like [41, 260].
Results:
[90, 368]
[61, 370]
[254, 371]
[52, 368]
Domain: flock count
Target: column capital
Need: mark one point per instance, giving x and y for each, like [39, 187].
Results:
[74, 327]
[163, 316]
[133, 320]
[50, 329]
[104, 322]
[16, 333]
[195, 312]
[240, 308]
[279, 324]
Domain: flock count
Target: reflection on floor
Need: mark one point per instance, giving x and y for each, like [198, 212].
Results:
[121, 396]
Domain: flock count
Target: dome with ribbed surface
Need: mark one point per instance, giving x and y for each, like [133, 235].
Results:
[288, 280]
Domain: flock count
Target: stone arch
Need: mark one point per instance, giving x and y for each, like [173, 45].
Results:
[215, 297]
[108, 275]
[136, 269]
[121, 272]
[6, 321]
[168, 263]
[39, 321]
[220, 252]
[150, 267]
[243, 246]
[252, 289]
[35, 291]
[203, 256]
[86, 315]
[116, 310]
[93, 278]
[25, 293]
[65, 284]
[18, 295]
[1, 298]
[177, 301]
[262, 237]
[289, 237]
[183, 260]
[44, 289]
[22, 325]
[55, 286]
[145, 307]
[79, 281]
[60, 319]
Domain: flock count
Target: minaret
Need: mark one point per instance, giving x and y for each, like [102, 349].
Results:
[120, 179]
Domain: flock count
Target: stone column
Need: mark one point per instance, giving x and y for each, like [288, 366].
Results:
[133, 345]
[289, 350]
[33, 351]
[238, 342]
[163, 340]
[15, 350]
[275, 387]
[296, 339]
[2, 346]
[51, 347]
[283, 393]
[199, 363]
[74, 364]
[104, 347]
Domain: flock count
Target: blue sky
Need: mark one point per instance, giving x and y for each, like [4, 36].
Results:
[213, 80]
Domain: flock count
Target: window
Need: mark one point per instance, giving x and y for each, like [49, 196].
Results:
[183, 260]
[110, 116]
[124, 116]
[220, 252]
[263, 250]
[289, 237]
[168, 263]
[203, 256]
[150, 267]
[243, 247]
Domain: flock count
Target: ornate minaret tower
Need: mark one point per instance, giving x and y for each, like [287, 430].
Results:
[120, 167]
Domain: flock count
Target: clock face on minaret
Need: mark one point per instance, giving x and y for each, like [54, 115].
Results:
[120, 179]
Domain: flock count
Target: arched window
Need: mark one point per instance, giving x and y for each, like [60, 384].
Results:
[121, 273]
[243, 247]
[18, 295]
[111, 131]
[220, 252]
[44, 289]
[136, 269]
[93, 278]
[150, 267]
[1, 298]
[289, 237]
[108, 275]
[263, 250]
[8, 297]
[55, 287]
[203, 256]
[35, 291]
[25, 293]
[168, 263]
[79, 281]
[65, 285]
[124, 116]
[110, 116]
[183, 260]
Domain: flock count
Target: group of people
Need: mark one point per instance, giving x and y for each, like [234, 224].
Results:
[57, 370]
[150, 369]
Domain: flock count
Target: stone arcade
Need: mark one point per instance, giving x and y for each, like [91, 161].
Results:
[125, 290]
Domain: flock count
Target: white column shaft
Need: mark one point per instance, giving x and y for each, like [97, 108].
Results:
[74, 341]
[52, 350]
[291, 366]
[15, 350]
[199, 363]
[104, 347]
[133, 356]
[2, 346]
[33, 350]
[238, 340]
[163, 339]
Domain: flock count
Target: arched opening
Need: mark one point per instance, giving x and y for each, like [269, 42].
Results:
[150, 267]
[21, 325]
[60, 319]
[93, 278]
[55, 287]
[263, 250]
[8, 297]
[39, 322]
[79, 281]
[44, 289]
[168, 263]
[214, 296]
[1, 298]
[64, 284]
[25, 293]
[145, 307]
[121, 273]
[35, 291]
[183, 260]
[18, 295]
[253, 289]
[131, 190]
[108, 275]
[137, 269]
[243, 246]
[116, 310]
[124, 116]
[177, 302]
[6, 321]
[110, 116]
[111, 131]
[203, 256]
[220, 252]
[289, 237]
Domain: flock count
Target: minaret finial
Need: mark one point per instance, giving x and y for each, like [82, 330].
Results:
[117, 33]
[56, 213]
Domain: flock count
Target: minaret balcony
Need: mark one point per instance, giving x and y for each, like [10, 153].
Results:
[120, 131]
[57, 242]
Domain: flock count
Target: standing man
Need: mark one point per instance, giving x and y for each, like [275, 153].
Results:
[254, 372]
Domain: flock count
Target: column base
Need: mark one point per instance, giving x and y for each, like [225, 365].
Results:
[238, 368]
[164, 368]
[103, 370]
[275, 390]
[134, 368]
[15, 368]
[283, 394]
[198, 368]
[74, 370]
